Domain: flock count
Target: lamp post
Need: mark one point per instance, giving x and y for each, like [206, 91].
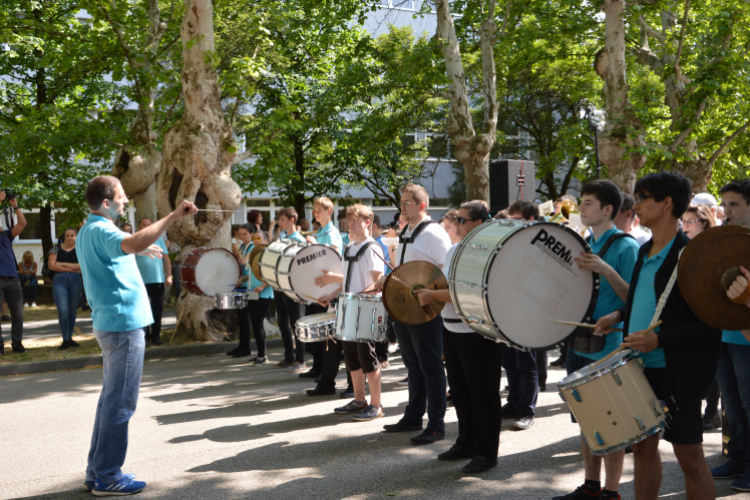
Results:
[596, 123]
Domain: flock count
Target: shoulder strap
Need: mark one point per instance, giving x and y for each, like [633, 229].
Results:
[410, 239]
[665, 295]
[611, 240]
[352, 259]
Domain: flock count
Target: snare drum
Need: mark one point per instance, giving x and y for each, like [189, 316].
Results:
[509, 278]
[231, 300]
[315, 328]
[360, 318]
[209, 271]
[613, 402]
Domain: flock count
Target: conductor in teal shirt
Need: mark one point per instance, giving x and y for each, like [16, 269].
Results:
[119, 312]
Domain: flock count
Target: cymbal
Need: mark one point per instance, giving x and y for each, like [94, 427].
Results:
[398, 292]
[703, 264]
[255, 261]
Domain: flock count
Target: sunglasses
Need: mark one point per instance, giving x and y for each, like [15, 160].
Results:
[462, 221]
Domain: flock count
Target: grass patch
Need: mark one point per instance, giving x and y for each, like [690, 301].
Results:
[45, 312]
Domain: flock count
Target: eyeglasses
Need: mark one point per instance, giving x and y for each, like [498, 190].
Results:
[405, 204]
[462, 221]
[689, 222]
[640, 198]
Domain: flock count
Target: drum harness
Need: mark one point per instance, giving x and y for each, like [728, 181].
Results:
[582, 341]
[410, 239]
[352, 259]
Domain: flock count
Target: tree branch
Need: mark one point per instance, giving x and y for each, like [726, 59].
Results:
[727, 142]
[651, 31]
[677, 68]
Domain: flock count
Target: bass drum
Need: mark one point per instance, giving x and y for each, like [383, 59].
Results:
[509, 278]
[209, 271]
[269, 260]
[298, 267]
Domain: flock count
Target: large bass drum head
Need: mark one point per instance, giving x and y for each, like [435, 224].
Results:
[309, 263]
[534, 279]
[217, 271]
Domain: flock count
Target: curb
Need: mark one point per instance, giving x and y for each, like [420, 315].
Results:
[152, 353]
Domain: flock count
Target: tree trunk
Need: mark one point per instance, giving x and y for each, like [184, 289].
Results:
[45, 219]
[472, 150]
[137, 173]
[623, 130]
[197, 158]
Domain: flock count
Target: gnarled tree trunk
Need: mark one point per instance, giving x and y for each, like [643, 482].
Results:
[623, 130]
[472, 150]
[197, 158]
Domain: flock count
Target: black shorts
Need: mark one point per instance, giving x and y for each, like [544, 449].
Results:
[686, 424]
[360, 355]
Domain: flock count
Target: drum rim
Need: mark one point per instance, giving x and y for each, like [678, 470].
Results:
[493, 325]
[364, 297]
[628, 356]
[636, 439]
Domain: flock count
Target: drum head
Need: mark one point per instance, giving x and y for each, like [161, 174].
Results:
[309, 263]
[316, 319]
[217, 271]
[534, 279]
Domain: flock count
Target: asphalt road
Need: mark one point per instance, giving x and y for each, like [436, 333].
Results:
[214, 427]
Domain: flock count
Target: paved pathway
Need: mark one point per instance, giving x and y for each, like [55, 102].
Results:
[214, 427]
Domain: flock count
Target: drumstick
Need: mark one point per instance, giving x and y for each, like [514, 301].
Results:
[582, 325]
[648, 330]
[308, 297]
[221, 211]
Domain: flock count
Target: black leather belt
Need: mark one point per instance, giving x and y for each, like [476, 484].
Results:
[9, 277]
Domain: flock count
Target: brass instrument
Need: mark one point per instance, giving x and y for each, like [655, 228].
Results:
[567, 207]
[308, 233]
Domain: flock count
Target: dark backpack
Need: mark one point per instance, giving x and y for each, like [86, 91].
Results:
[47, 273]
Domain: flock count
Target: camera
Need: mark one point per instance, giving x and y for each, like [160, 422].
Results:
[9, 195]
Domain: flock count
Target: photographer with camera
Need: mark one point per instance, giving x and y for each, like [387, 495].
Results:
[10, 285]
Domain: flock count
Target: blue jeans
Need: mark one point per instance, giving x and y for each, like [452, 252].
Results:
[734, 380]
[30, 290]
[66, 289]
[523, 381]
[422, 352]
[122, 354]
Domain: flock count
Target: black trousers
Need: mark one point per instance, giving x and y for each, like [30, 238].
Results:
[288, 311]
[523, 381]
[473, 364]
[254, 312]
[542, 357]
[318, 348]
[155, 293]
[712, 400]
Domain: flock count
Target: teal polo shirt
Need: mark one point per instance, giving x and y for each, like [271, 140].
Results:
[733, 337]
[621, 256]
[345, 239]
[254, 282]
[152, 270]
[296, 236]
[113, 284]
[644, 303]
[329, 235]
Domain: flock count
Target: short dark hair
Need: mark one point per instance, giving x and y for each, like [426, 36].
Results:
[528, 209]
[477, 210]
[606, 192]
[247, 227]
[627, 203]
[100, 188]
[740, 187]
[289, 213]
[144, 218]
[62, 235]
[376, 220]
[663, 184]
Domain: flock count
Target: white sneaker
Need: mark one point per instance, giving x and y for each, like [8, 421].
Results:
[523, 423]
[25, 305]
[392, 348]
[33, 304]
[296, 367]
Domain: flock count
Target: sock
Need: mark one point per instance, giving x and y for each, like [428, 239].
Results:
[593, 487]
[607, 494]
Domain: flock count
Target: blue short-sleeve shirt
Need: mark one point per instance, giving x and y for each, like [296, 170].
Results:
[644, 304]
[329, 235]
[379, 239]
[113, 284]
[296, 236]
[152, 270]
[622, 256]
[733, 337]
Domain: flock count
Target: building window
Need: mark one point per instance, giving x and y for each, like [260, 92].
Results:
[33, 229]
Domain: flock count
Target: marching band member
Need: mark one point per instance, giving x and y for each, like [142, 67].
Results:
[287, 309]
[326, 355]
[733, 374]
[613, 256]
[682, 354]
[473, 364]
[421, 345]
[360, 269]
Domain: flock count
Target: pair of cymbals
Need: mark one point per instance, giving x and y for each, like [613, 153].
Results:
[399, 298]
[707, 267]
[254, 260]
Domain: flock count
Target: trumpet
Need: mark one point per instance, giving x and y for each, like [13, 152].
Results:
[567, 207]
[308, 233]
